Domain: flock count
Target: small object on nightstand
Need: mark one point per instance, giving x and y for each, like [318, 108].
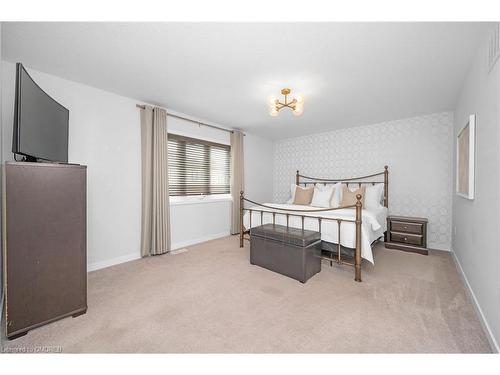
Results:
[407, 234]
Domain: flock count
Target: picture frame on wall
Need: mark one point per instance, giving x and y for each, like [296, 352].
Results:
[466, 142]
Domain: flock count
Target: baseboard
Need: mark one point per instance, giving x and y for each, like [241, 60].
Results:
[113, 261]
[475, 302]
[129, 257]
[179, 245]
[433, 246]
[2, 322]
[1, 311]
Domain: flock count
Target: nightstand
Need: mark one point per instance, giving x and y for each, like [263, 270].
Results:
[407, 234]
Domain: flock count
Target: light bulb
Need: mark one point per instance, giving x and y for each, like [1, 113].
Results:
[299, 98]
[272, 100]
[273, 111]
[299, 109]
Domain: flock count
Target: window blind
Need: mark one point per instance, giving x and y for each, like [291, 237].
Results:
[197, 166]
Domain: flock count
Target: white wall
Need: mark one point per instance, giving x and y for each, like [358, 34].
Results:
[417, 150]
[476, 222]
[104, 134]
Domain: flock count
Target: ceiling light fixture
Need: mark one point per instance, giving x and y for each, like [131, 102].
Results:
[296, 104]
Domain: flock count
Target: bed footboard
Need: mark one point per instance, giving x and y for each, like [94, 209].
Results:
[302, 214]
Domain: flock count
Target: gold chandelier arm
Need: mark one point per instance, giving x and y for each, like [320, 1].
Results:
[278, 105]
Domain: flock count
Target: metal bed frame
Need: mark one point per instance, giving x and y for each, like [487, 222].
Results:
[300, 213]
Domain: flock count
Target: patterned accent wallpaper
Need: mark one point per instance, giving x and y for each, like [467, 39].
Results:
[417, 150]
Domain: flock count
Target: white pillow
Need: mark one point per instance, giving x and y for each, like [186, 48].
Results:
[292, 194]
[373, 196]
[336, 198]
[322, 196]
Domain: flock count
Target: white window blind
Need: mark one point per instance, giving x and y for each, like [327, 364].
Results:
[197, 166]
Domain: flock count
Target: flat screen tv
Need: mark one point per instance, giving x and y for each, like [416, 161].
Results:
[40, 123]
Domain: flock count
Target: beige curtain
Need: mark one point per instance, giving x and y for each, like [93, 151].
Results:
[237, 172]
[155, 221]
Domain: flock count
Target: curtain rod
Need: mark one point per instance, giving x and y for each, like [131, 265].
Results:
[193, 121]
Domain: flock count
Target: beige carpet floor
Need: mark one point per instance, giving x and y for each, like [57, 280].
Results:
[210, 299]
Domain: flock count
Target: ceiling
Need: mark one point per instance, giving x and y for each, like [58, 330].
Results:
[349, 73]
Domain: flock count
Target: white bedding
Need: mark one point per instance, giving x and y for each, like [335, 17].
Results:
[373, 224]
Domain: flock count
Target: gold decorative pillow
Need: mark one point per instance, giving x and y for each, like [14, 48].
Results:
[349, 197]
[303, 195]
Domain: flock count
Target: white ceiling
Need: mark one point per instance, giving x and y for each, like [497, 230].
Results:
[350, 73]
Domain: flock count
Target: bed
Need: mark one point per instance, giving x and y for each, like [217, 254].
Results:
[345, 231]
[373, 224]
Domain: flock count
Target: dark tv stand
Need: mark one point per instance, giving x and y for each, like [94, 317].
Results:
[46, 250]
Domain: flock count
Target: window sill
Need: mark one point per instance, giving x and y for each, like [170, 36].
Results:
[177, 201]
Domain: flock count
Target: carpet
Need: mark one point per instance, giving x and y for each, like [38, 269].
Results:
[209, 299]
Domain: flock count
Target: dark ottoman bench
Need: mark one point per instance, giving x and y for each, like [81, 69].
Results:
[292, 252]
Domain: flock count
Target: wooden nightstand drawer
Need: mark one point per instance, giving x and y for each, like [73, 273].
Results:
[412, 239]
[405, 227]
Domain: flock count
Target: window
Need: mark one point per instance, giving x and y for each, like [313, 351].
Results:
[197, 167]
